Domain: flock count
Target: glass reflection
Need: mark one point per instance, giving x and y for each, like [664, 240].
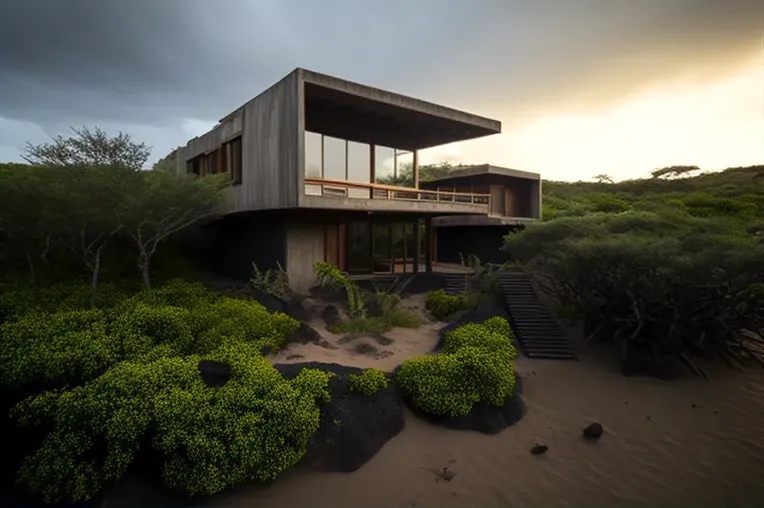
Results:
[335, 158]
[359, 167]
[313, 161]
[384, 163]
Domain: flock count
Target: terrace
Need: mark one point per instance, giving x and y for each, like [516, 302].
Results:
[357, 137]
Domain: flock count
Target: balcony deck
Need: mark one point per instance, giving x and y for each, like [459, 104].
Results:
[372, 196]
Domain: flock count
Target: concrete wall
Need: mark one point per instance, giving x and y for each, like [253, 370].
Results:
[272, 155]
[304, 247]
[229, 246]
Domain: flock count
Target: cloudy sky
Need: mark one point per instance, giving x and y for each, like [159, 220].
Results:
[582, 87]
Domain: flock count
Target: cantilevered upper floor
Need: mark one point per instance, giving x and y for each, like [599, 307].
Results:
[316, 141]
[515, 196]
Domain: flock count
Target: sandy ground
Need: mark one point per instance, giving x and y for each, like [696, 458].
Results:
[385, 353]
[689, 441]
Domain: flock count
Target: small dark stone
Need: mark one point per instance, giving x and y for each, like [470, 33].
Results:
[539, 449]
[214, 373]
[694, 405]
[266, 350]
[331, 315]
[593, 431]
[649, 418]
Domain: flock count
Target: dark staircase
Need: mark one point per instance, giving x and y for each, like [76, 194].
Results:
[456, 283]
[533, 324]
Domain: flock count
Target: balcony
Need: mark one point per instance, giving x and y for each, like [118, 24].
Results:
[374, 191]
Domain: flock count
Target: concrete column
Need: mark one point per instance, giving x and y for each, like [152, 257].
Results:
[428, 244]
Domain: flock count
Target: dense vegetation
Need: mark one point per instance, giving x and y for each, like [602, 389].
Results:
[475, 366]
[106, 382]
[672, 264]
[107, 371]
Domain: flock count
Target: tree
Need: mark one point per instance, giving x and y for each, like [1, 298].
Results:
[165, 203]
[28, 216]
[603, 178]
[405, 177]
[673, 171]
[89, 148]
[94, 203]
[669, 265]
[168, 163]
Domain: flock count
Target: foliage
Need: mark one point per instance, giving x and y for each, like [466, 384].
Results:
[163, 203]
[675, 273]
[405, 177]
[673, 171]
[252, 428]
[369, 382]
[441, 304]
[475, 366]
[330, 276]
[119, 379]
[73, 345]
[272, 282]
[89, 148]
[387, 315]
[53, 214]
[167, 163]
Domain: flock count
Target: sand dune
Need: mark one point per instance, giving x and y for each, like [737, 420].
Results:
[689, 442]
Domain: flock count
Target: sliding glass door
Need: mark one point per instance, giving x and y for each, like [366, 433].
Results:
[359, 247]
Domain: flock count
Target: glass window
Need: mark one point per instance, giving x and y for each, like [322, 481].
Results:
[404, 168]
[384, 164]
[313, 161]
[359, 167]
[335, 158]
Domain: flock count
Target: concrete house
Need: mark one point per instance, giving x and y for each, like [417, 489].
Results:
[305, 156]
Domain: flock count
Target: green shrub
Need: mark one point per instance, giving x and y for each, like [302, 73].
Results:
[17, 300]
[75, 346]
[330, 276]
[61, 347]
[177, 293]
[252, 428]
[441, 304]
[272, 282]
[475, 366]
[230, 320]
[369, 382]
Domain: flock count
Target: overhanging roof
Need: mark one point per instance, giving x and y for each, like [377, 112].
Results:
[483, 170]
[348, 110]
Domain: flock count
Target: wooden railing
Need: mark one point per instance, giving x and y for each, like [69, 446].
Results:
[342, 188]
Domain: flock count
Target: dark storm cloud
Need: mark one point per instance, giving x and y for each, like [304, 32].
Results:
[151, 65]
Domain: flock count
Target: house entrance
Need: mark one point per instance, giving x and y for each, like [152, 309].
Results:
[379, 247]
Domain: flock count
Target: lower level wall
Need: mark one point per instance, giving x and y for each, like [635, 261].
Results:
[229, 246]
[485, 242]
[304, 247]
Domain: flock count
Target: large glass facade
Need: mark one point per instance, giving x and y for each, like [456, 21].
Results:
[331, 158]
[367, 246]
[359, 167]
[384, 164]
[313, 160]
[335, 158]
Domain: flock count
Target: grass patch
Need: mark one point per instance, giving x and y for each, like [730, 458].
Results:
[402, 318]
